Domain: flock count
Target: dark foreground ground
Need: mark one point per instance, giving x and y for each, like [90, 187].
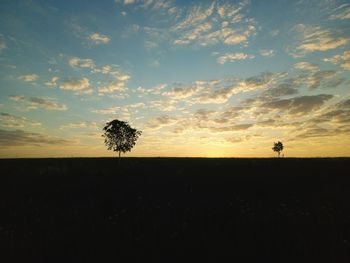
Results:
[175, 210]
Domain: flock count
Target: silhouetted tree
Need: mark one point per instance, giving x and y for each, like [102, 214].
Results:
[277, 147]
[119, 136]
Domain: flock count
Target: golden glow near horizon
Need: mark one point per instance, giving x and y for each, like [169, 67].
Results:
[198, 78]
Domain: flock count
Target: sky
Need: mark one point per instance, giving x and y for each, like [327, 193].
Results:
[198, 78]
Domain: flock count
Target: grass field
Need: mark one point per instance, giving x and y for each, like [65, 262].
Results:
[175, 209]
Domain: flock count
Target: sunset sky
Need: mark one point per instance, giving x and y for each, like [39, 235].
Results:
[199, 78]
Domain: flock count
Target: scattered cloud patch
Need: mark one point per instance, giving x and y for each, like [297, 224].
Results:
[267, 52]
[342, 59]
[79, 125]
[38, 102]
[298, 105]
[80, 86]
[98, 38]
[29, 77]
[158, 122]
[25, 138]
[81, 63]
[2, 45]
[206, 25]
[307, 66]
[112, 87]
[52, 82]
[181, 92]
[8, 120]
[231, 57]
[316, 38]
[342, 12]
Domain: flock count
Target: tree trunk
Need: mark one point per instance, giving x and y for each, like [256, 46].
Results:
[279, 154]
[119, 158]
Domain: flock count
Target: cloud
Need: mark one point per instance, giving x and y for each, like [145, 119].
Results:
[17, 98]
[208, 25]
[2, 45]
[203, 115]
[128, 2]
[181, 92]
[196, 15]
[267, 52]
[237, 127]
[29, 77]
[307, 66]
[338, 113]
[25, 138]
[81, 63]
[163, 105]
[222, 94]
[283, 89]
[341, 13]
[137, 105]
[344, 59]
[218, 96]
[114, 71]
[298, 105]
[154, 90]
[316, 79]
[313, 39]
[274, 32]
[52, 82]
[79, 125]
[111, 110]
[79, 86]
[12, 121]
[231, 57]
[99, 38]
[161, 121]
[37, 102]
[119, 86]
[121, 113]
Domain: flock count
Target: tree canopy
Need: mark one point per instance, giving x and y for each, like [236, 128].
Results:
[119, 136]
[277, 147]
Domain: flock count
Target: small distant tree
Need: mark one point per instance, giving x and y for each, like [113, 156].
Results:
[119, 136]
[277, 147]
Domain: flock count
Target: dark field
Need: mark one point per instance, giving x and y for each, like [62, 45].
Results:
[175, 210]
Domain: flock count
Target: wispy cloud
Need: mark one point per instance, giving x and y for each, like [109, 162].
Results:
[25, 138]
[2, 45]
[342, 59]
[8, 120]
[80, 86]
[111, 110]
[307, 66]
[342, 12]
[39, 102]
[267, 52]
[120, 112]
[316, 38]
[79, 125]
[128, 2]
[52, 82]
[29, 77]
[158, 122]
[231, 57]
[81, 63]
[113, 70]
[298, 105]
[216, 23]
[112, 87]
[98, 38]
[181, 92]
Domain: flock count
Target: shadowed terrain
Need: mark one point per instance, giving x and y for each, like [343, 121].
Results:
[171, 209]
